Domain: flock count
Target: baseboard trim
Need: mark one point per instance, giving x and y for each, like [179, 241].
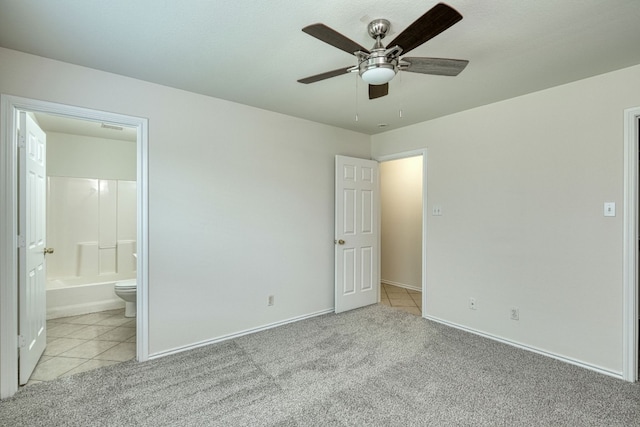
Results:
[615, 374]
[401, 285]
[84, 308]
[238, 334]
[595, 368]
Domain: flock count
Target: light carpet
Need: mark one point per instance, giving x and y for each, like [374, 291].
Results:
[375, 366]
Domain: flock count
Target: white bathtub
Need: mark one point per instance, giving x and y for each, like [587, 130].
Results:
[78, 295]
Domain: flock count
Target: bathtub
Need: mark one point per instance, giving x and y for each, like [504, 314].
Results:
[81, 295]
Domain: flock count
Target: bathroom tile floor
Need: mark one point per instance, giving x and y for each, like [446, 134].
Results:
[81, 343]
[401, 298]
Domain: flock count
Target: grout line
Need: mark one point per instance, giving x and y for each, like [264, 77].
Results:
[401, 294]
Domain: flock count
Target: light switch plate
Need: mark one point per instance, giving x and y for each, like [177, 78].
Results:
[437, 210]
[609, 209]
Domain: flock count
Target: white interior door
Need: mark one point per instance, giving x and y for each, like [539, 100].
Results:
[32, 252]
[356, 249]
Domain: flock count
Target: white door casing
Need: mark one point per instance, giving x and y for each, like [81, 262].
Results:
[356, 236]
[32, 241]
[631, 234]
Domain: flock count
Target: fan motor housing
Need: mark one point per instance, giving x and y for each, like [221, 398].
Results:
[377, 59]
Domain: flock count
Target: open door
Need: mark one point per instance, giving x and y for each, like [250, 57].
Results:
[32, 231]
[356, 238]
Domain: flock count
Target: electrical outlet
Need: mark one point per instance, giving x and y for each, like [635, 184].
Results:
[437, 210]
[472, 304]
[515, 313]
[270, 301]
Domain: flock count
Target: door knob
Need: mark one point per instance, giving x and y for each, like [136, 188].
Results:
[341, 242]
[48, 251]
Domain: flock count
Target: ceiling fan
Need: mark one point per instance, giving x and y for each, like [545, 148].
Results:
[378, 66]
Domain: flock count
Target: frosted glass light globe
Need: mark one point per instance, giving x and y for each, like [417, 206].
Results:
[378, 75]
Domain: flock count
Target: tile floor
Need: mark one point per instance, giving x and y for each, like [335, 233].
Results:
[401, 298]
[81, 343]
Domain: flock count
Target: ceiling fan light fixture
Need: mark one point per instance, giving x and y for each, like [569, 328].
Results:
[378, 66]
[378, 74]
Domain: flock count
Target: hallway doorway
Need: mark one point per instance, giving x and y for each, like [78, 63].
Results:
[403, 230]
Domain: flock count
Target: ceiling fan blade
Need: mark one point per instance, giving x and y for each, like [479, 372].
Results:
[323, 76]
[436, 20]
[334, 38]
[378, 91]
[437, 66]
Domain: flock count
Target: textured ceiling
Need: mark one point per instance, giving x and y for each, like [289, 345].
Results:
[252, 52]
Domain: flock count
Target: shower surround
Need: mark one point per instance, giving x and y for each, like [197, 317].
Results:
[91, 224]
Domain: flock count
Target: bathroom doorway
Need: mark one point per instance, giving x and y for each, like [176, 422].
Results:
[106, 262]
[91, 231]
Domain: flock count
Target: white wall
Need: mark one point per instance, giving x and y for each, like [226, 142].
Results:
[522, 185]
[240, 200]
[89, 157]
[401, 222]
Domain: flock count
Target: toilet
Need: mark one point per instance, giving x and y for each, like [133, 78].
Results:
[126, 289]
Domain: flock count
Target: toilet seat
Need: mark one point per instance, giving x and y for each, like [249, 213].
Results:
[126, 285]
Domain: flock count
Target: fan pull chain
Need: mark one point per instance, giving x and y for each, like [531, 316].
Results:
[401, 91]
[356, 96]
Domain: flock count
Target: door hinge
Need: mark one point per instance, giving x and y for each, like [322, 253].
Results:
[22, 141]
[21, 341]
[22, 242]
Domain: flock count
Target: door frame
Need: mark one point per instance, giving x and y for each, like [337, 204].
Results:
[630, 249]
[404, 155]
[9, 107]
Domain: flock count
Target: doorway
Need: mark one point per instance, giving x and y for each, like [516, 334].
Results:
[11, 106]
[403, 230]
[631, 238]
[91, 234]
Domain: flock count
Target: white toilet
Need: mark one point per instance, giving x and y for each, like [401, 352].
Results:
[126, 289]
